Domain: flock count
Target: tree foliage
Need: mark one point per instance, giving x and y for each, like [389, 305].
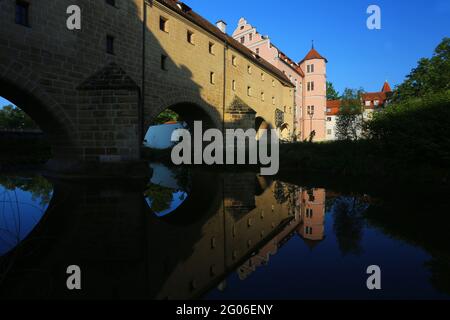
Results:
[332, 94]
[14, 118]
[432, 75]
[166, 116]
[349, 121]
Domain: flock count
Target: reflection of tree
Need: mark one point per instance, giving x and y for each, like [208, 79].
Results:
[348, 224]
[38, 186]
[281, 192]
[160, 197]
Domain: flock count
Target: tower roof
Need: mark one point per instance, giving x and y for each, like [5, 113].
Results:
[313, 54]
[386, 87]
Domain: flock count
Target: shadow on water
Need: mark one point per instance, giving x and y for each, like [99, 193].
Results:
[234, 236]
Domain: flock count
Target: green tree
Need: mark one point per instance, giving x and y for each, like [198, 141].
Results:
[12, 117]
[166, 116]
[332, 94]
[432, 75]
[349, 122]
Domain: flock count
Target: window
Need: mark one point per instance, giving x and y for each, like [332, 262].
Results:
[310, 86]
[211, 48]
[212, 77]
[190, 37]
[110, 44]
[262, 77]
[250, 36]
[273, 83]
[163, 24]
[234, 61]
[329, 132]
[111, 2]
[263, 96]
[249, 91]
[242, 39]
[328, 119]
[257, 51]
[22, 12]
[310, 68]
[367, 103]
[273, 100]
[233, 85]
[376, 102]
[249, 69]
[163, 62]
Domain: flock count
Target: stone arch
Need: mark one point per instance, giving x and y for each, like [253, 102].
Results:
[261, 124]
[27, 94]
[189, 107]
[284, 132]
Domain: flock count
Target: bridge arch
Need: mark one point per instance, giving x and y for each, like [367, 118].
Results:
[27, 95]
[189, 108]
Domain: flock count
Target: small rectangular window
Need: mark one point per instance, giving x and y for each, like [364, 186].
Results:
[257, 51]
[312, 68]
[263, 96]
[163, 62]
[242, 39]
[273, 100]
[190, 37]
[111, 2]
[110, 44]
[329, 131]
[212, 77]
[233, 85]
[211, 48]
[22, 13]
[234, 61]
[249, 69]
[250, 36]
[308, 69]
[163, 24]
[312, 85]
[262, 76]
[249, 91]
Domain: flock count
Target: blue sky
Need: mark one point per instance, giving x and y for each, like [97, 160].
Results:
[357, 57]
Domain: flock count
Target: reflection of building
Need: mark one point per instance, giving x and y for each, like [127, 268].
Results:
[313, 214]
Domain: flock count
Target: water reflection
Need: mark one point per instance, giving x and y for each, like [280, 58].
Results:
[23, 201]
[229, 236]
[167, 190]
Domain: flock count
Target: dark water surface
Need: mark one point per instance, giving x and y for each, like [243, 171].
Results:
[214, 235]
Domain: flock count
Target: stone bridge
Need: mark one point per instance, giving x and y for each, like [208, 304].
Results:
[96, 90]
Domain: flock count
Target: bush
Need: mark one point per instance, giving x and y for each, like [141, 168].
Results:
[415, 130]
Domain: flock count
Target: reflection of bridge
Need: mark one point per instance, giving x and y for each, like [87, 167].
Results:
[125, 251]
[96, 90]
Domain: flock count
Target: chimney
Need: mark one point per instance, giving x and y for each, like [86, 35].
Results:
[222, 25]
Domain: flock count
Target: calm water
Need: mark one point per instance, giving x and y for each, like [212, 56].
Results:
[203, 234]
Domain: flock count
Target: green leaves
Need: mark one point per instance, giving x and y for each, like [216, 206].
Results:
[14, 118]
[432, 75]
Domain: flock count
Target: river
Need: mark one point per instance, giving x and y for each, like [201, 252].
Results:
[206, 234]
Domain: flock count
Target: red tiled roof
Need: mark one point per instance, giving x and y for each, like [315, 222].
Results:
[333, 107]
[386, 87]
[192, 16]
[313, 54]
[381, 96]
